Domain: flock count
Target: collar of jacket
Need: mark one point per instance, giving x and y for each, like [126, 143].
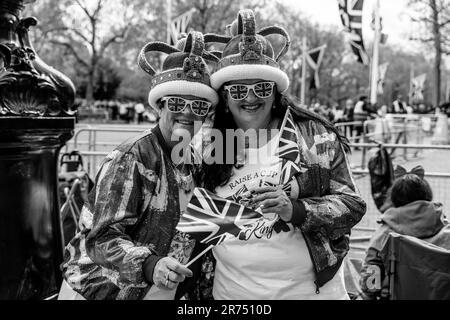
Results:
[162, 142]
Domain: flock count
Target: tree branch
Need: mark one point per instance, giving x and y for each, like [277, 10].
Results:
[421, 39]
[98, 9]
[443, 24]
[72, 51]
[113, 39]
[78, 33]
[422, 19]
[84, 8]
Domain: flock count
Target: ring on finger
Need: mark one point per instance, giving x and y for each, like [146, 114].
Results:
[167, 283]
[167, 275]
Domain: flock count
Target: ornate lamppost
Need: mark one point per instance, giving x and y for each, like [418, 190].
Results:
[36, 119]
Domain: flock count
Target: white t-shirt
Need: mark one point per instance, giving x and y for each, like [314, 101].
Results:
[266, 265]
[139, 108]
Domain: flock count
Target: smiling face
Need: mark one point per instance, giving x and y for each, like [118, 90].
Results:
[251, 112]
[175, 125]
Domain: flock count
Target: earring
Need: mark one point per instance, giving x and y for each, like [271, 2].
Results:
[227, 110]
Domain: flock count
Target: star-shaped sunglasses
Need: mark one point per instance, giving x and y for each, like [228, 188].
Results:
[177, 105]
[240, 91]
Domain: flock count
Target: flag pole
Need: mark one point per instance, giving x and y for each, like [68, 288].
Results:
[303, 88]
[376, 42]
[199, 255]
[169, 20]
[411, 77]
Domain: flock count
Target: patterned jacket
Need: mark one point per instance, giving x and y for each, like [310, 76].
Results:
[328, 206]
[130, 215]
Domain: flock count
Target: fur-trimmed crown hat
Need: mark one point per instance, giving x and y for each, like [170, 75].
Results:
[248, 54]
[184, 71]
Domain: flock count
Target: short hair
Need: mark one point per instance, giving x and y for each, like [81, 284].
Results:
[410, 188]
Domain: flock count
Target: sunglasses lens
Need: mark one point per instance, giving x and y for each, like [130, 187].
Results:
[238, 92]
[264, 89]
[175, 104]
[200, 108]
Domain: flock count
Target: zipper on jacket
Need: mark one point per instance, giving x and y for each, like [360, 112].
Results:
[317, 287]
[313, 260]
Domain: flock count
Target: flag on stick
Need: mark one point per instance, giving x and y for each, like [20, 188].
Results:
[381, 75]
[351, 17]
[288, 149]
[180, 25]
[314, 59]
[212, 220]
[417, 86]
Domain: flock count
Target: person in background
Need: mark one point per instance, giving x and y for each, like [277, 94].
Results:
[128, 243]
[348, 110]
[398, 105]
[361, 114]
[123, 111]
[412, 212]
[139, 110]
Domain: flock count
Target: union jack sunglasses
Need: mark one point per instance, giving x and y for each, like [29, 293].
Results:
[177, 105]
[240, 91]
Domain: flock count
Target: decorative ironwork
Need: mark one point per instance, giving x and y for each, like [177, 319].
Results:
[28, 86]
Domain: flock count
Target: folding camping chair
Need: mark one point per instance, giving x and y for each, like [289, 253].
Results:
[70, 209]
[417, 270]
[74, 186]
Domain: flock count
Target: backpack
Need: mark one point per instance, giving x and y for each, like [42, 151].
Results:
[381, 176]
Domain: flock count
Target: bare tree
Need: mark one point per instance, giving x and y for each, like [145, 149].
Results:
[212, 16]
[433, 16]
[87, 29]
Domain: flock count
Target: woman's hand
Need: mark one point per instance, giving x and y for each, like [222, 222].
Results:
[272, 200]
[169, 272]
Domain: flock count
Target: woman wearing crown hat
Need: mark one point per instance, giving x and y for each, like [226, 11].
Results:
[314, 206]
[128, 243]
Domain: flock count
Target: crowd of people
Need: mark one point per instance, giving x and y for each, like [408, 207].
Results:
[361, 109]
[119, 110]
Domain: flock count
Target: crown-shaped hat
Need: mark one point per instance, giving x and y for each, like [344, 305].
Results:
[184, 71]
[249, 54]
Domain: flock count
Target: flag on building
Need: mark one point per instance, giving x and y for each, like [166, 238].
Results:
[417, 87]
[180, 25]
[351, 17]
[314, 59]
[211, 219]
[288, 149]
[381, 75]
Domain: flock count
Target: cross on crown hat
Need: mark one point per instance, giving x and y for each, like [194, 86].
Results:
[184, 71]
[248, 54]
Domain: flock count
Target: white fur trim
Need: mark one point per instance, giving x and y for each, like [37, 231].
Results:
[181, 87]
[250, 71]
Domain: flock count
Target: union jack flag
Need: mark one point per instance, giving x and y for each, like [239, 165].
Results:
[211, 219]
[288, 149]
[176, 104]
[351, 17]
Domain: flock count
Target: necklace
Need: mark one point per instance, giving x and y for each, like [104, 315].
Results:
[183, 175]
[241, 154]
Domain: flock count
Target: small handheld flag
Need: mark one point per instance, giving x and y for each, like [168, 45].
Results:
[212, 220]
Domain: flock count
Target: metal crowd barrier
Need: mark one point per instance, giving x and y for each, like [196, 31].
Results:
[92, 143]
[361, 233]
[440, 182]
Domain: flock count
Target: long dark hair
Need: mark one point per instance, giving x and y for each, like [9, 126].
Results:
[214, 175]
